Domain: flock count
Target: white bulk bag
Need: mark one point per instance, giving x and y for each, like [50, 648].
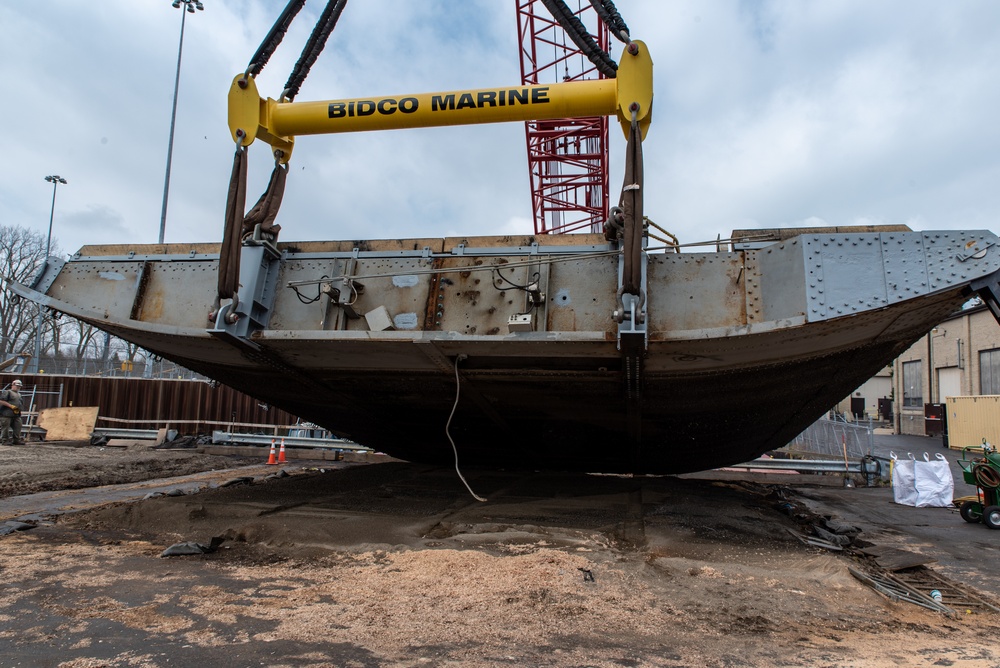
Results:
[903, 490]
[933, 482]
[924, 484]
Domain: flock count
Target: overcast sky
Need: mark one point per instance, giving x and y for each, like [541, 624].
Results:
[766, 114]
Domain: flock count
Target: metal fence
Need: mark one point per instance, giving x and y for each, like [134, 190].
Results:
[834, 438]
[114, 363]
[140, 368]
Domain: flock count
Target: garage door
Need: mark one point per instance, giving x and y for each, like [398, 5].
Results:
[949, 383]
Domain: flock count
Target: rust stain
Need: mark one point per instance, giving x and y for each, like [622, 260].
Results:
[152, 308]
[435, 290]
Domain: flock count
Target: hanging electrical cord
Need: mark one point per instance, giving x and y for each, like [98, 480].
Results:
[447, 430]
[310, 300]
[533, 294]
[510, 283]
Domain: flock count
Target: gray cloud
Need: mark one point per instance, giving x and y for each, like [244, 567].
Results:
[767, 113]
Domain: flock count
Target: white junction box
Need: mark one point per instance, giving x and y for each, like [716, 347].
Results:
[379, 319]
[520, 322]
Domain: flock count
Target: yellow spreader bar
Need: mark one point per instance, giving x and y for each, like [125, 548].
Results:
[278, 123]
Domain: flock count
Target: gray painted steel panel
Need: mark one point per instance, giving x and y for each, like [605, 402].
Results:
[744, 348]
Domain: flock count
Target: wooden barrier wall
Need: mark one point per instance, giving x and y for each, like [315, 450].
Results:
[187, 405]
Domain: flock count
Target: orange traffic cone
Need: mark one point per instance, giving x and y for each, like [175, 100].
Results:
[281, 453]
[271, 459]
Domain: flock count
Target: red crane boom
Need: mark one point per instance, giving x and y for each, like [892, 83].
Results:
[567, 158]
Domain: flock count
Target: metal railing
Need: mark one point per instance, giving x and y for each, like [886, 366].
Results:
[289, 441]
[293, 439]
[835, 438]
[801, 465]
[129, 426]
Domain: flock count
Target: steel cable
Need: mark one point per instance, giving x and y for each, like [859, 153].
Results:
[314, 46]
[274, 37]
[609, 14]
[577, 32]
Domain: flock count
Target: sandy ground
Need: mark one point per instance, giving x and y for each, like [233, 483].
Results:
[396, 565]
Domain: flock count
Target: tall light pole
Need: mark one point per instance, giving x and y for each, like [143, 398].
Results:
[55, 180]
[185, 6]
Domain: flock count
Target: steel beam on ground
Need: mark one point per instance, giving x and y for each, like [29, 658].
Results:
[290, 441]
[800, 465]
[137, 434]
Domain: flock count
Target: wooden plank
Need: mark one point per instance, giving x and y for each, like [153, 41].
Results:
[148, 249]
[895, 559]
[68, 424]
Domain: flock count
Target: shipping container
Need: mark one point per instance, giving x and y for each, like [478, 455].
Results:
[973, 418]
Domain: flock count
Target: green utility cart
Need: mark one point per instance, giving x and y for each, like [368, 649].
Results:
[984, 473]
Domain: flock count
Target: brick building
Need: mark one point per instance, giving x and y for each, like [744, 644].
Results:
[959, 357]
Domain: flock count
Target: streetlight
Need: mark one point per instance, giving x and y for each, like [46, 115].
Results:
[190, 6]
[55, 180]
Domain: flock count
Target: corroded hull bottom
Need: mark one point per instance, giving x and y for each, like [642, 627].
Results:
[689, 423]
[571, 413]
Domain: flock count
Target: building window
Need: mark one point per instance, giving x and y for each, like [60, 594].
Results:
[913, 385]
[989, 372]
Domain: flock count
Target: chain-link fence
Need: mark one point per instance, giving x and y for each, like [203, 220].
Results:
[139, 368]
[114, 366]
[833, 438]
[105, 356]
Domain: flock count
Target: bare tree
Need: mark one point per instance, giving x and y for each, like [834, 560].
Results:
[112, 352]
[21, 255]
[131, 350]
[85, 341]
